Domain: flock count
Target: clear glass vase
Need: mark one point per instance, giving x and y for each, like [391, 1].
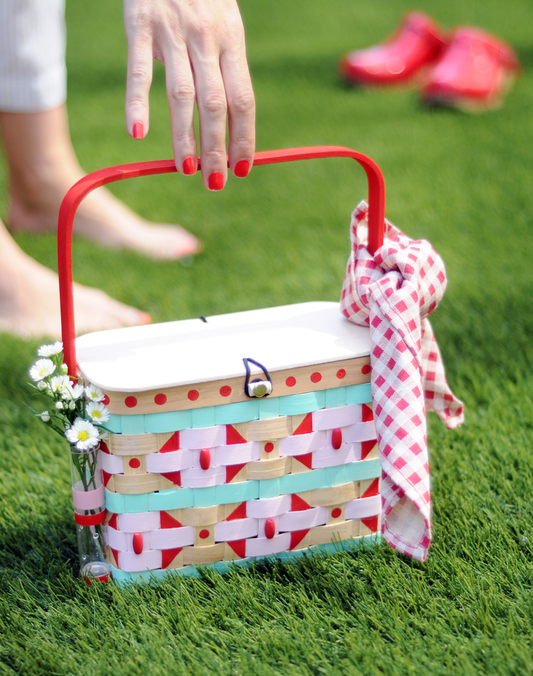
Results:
[89, 513]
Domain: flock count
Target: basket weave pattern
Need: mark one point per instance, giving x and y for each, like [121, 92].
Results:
[251, 489]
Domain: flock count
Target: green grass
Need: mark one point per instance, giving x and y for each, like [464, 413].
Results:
[281, 236]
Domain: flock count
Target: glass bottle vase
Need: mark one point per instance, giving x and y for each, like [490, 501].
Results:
[89, 513]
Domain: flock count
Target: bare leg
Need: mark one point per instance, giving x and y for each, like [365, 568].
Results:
[43, 166]
[29, 299]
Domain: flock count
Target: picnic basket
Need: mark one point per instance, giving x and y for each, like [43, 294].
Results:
[234, 437]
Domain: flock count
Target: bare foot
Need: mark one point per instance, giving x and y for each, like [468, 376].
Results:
[29, 299]
[42, 168]
[103, 218]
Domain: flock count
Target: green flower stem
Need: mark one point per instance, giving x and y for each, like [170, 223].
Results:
[86, 467]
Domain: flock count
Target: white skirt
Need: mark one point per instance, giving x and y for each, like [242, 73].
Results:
[33, 74]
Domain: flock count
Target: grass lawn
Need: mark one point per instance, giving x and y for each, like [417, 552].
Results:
[278, 237]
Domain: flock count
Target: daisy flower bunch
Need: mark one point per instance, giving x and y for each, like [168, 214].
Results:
[75, 411]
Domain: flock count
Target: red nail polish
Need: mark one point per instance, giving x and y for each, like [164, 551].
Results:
[138, 131]
[242, 168]
[216, 181]
[189, 166]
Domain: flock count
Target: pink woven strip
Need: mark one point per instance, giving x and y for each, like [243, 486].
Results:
[88, 499]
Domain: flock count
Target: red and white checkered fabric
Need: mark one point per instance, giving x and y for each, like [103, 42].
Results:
[393, 292]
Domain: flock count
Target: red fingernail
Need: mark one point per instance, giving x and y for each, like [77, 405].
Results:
[216, 181]
[189, 166]
[138, 131]
[242, 168]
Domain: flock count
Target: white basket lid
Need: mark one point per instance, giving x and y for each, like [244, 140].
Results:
[192, 351]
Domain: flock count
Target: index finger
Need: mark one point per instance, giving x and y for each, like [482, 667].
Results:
[138, 82]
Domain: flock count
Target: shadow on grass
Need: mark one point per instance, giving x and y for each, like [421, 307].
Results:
[39, 550]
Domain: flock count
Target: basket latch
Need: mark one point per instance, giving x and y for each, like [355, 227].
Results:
[258, 387]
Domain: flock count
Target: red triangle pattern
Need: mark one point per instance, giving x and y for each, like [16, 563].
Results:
[367, 414]
[175, 477]
[371, 522]
[106, 476]
[306, 459]
[233, 437]
[298, 504]
[306, 426]
[168, 521]
[238, 513]
[239, 547]
[232, 471]
[168, 555]
[115, 555]
[373, 489]
[104, 447]
[173, 444]
[112, 523]
[297, 536]
[366, 447]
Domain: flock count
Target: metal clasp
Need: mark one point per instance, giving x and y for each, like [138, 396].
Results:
[259, 387]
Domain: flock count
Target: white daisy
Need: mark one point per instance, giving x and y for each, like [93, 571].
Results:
[72, 392]
[94, 393]
[50, 350]
[102, 434]
[98, 412]
[82, 434]
[42, 369]
[61, 385]
[45, 416]
[59, 405]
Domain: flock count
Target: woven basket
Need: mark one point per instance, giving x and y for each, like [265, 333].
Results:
[236, 436]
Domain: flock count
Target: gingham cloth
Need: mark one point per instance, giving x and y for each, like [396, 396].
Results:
[392, 292]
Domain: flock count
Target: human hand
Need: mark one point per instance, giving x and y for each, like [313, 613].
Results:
[201, 44]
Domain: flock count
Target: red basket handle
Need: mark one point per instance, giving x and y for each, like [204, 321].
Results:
[72, 200]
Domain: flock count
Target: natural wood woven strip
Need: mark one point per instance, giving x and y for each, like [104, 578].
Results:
[353, 371]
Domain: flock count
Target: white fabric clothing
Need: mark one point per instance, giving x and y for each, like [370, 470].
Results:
[33, 74]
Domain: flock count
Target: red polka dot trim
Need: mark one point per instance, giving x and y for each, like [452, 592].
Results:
[193, 395]
[365, 370]
[316, 377]
[269, 447]
[130, 402]
[335, 513]
[106, 400]
[160, 399]
[204, 533]
[291, 381]
[225, 391]
[341, 373]
[134, 463]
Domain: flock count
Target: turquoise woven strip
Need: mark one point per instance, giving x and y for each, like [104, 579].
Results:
[230, 414]
[122, 578]
[358, 394]
[203, 417]
[239, 492]
[269, 408]
[295, 404]
[173, 421]
[114, 424]
[336, 397]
